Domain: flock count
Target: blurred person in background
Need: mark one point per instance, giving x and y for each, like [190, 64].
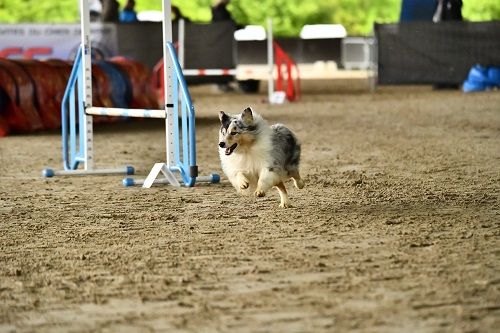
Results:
[448, 10]
[110, 11]
[220, 12]
[417, 10]
[128, 14]
[95, 8]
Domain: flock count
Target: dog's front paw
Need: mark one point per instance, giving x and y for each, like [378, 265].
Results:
[242, 181]
[244, 184]
[259, 193]
[285, 204]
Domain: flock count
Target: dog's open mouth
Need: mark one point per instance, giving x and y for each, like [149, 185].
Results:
[230, 150]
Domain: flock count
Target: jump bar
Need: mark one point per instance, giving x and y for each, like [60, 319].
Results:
[204, 72]
[128, 170]
[138, 113]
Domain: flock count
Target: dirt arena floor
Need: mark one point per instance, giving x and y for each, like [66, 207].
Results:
[397, 229]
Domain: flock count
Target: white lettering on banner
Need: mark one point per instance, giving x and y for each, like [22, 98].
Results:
[57, 31]
[34, 32]
[43, 41]
[11, 31]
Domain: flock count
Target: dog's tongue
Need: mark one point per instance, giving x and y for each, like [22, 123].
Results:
[229, 150]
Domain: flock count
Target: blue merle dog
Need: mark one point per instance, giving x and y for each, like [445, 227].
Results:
[256, 156]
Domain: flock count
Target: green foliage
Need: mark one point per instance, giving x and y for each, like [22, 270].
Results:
[358, 16]
[13, 11]
[288, 16]
[481, 10]
[195, 10]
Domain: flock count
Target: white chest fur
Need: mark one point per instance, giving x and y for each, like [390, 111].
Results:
[249, 160]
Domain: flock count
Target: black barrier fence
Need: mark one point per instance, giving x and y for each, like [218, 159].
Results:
[209, 46]
[141, 41]
[206, 45]
[213, 46]
[435, 53]
[301, 50]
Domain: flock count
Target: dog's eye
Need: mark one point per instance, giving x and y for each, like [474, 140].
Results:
[233, 133]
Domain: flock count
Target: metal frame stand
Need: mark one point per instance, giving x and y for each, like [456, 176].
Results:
[77, 136]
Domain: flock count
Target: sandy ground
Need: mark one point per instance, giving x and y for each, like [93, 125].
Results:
[397, 229]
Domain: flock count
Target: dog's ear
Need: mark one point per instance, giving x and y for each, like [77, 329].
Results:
[247, 115]
[224, 119]
[223, 116]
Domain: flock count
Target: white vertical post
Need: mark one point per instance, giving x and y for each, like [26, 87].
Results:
[180, 40]
[168, 79]
[373, 67]
[270, 60]
[87, 84]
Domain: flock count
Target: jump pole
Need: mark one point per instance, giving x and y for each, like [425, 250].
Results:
[77, 137]
[270, 60]
[180, 41]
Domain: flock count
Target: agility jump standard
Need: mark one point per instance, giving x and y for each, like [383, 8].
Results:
[77, 137]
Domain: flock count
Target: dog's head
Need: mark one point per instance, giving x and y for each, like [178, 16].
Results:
[236, 130]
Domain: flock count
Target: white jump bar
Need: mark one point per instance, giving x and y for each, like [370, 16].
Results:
[138, 113]
[128, 170]
[204, 72]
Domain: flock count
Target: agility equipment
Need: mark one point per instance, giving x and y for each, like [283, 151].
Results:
[44, 84]
[23, 96]
[292, 89]
[32, 94]
[277, 56]
[14, 119]
[139, 76]
[270, 55]
[77, 114]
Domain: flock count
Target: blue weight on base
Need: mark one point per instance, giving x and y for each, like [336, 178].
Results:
[128, 182]
[473, 86]
[48, 173]
[477, 79]
[494, 76]
[130, 170]
[215, 178]
[478, 73]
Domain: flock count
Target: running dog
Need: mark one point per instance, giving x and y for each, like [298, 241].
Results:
[256, 156]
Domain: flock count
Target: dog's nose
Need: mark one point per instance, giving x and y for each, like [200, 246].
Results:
[222, 144]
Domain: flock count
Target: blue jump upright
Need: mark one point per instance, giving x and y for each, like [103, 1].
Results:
[180, 134]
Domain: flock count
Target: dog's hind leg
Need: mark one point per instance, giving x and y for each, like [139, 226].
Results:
[285, 202]
[267, 179]
[297, 181]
